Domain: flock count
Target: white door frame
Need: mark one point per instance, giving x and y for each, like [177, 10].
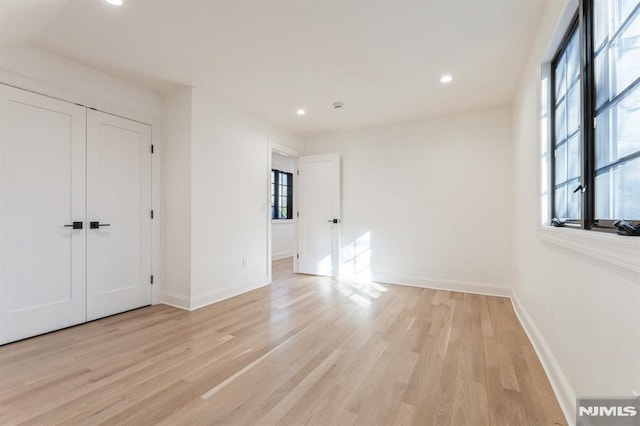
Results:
[291, 152]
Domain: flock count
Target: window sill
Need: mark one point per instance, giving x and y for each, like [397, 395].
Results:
[615, 249]
[281, 221]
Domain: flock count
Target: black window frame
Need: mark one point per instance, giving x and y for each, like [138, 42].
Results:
[583, 23]
[566, 38]
[277, 196]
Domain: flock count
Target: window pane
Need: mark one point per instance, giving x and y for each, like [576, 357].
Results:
[573, 110]
[561, 123]
[609, 15]
[573, 157]
[603, 197]
[573, 200]
[561, 163]
[618, 130]
[561, 202]
[600, 29]
[602, 78]
[628, 124]
[618, 192]
[626, 54]
[567, 170]
[617, 188]
[561, 78]
[573, 59]
[617, 63]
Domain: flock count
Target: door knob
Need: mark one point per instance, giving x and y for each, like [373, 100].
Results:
[97, 225]
[74, 225]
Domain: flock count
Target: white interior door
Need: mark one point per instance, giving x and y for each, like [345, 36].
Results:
[319, 221]
[119, 204]
[42, 191]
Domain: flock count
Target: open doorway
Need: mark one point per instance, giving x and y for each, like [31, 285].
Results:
[282, 215]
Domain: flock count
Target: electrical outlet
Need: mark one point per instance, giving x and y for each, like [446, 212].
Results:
[245, 262]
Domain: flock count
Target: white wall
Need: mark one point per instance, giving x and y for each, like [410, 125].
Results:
[583, 314]
[282, 162]
[229, 180]
[176, 209]
[40, 71]
[282, 230]
[429, 201]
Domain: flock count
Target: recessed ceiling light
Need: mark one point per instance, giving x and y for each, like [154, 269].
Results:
[114, 2]
[446, 79]
[300, 111]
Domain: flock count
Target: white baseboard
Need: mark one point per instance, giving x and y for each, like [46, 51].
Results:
[208, 298]
[214, 296]
[559, 383]
[176, 300]
[276, 256]
[451, 285]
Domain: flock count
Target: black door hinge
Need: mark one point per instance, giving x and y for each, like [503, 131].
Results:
[151, 279]
[151, 214]
[298, 256]
[152, 149]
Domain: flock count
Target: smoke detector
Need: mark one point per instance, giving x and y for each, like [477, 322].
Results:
[338, 105]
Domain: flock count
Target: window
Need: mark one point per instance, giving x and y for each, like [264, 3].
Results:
[566, 123]
[595, 94]
[281, 195]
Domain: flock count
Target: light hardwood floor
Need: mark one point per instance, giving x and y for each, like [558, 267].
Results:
[304, 350]
[282, 269]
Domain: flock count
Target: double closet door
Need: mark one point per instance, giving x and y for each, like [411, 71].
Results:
[75, 224]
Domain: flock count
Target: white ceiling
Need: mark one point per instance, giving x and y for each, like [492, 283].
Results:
[382, 58]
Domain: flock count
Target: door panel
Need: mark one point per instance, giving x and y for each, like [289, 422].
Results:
[319, 205]
[42, 189]
[119, 195]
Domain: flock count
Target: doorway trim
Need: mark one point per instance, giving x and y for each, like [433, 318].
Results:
[289, 152]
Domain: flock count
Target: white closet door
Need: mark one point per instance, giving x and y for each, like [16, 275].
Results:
[119, 199]
[42, 190]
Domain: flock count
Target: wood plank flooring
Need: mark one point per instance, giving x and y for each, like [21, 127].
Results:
[306, 350]
[282, 269]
